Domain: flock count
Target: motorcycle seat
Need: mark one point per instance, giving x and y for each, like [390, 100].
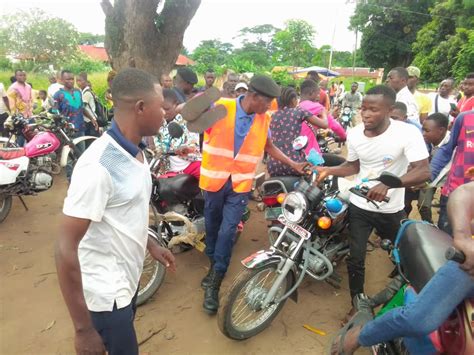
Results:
[180, 188]
[287, 181]
[12, 153]
[422, 252]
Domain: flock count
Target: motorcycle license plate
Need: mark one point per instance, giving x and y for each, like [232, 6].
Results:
[298, 230]
[272, 213]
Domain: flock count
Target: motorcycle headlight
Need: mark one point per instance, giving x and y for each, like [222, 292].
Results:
[294, 207]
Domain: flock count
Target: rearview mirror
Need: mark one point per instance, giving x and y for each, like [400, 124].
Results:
[390, 180]
[300, 143]
[175, 130]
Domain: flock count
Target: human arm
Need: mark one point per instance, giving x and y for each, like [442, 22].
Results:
[277, 154]
[89, 108]
[348, 168]
[320, 120]
[72, 230]
[161, 254]
[461, 216]
[5, 97]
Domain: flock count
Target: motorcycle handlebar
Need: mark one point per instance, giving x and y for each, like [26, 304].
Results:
[455, 255]
[362, 192]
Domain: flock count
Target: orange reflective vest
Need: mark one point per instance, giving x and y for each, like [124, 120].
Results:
[218, 161]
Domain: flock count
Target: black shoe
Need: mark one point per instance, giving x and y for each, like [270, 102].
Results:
[211, 295]
[206, 281]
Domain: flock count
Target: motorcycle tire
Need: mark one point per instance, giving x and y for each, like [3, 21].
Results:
[5, 206]
[148, 289]
[241, 284]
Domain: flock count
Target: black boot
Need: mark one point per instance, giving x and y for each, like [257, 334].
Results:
[206, 281]
[211, 295]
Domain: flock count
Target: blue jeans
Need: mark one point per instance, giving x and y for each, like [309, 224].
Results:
[432, 307]
[81, 147]
[223, 211]
[443, 222]
[116, 329]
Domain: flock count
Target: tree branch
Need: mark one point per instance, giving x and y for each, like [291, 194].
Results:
[176, 16]
[107, 7]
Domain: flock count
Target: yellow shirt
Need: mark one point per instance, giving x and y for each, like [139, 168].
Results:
[423, 101]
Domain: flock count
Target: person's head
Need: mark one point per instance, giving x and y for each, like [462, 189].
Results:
[435, 127]
[20, 76]
[210, 78]
[397, 78]
[52, 79]
[469, 85]
[399, 112]
[67, 78]
[354, 87]
[288, 98]
[166, 81]
[138, 100]
[413, 77]
[185, 80]
[82, 81]
[323, 84]
[110, 77]
[170, 102]
[376, 106]
[461, 86]
[43, 95]
[313, 75]
[233, 79]
[262, 91]
[310, 90]
[241, 88]
[446, 87]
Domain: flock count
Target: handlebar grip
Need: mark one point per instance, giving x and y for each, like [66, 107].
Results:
[386, 199]
[455, 255]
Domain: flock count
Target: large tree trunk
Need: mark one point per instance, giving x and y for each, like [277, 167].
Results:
[137, 35]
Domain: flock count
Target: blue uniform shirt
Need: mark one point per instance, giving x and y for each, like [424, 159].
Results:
[243, 122]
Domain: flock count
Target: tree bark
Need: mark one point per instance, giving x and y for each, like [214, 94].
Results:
[136, 35]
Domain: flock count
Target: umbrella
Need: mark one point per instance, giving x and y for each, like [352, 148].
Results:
[319, 70]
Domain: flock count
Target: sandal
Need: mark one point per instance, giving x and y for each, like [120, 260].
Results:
[194, 108]
[207, 119]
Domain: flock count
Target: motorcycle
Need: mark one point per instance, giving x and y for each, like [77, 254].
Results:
[346, 117]
[177, 205]
[420, 249]
[28, 170]
[310, 241]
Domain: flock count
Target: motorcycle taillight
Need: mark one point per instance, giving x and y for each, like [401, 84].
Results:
[452, 334]
[270, 200]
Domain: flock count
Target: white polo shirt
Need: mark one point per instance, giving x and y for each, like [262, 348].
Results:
[405, 96]
[112, 189]
[391, 151]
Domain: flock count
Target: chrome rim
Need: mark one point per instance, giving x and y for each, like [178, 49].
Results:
[149, 273]
[246, 312]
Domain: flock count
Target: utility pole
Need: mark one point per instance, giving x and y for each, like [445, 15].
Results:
[354, 55]
[332, 45]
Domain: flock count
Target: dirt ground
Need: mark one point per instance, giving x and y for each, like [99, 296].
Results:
[34, 319]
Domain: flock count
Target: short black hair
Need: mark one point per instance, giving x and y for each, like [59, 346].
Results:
[65, 71]
[387, 93]
[402, 72]
[400, 106]
[287, 95]
[170, 95]
[355, 83]
[43, 92]
[210, 70]
[132, 82]
[308, 86]
[440, 119]
[470, 76]
[83, 76]
[18, 70]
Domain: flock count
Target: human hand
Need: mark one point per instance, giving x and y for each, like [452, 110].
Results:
[466, 245]
[470, 173]
[300, 167]
[183, 151]
[378, 192]
[164, 256]
[96, 125]
[88, 342]
[454, 112]
[322, 171]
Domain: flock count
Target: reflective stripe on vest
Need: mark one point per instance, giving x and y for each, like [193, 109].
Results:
[218, 161]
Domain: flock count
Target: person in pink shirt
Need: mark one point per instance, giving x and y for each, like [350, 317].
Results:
[309, 102]
[19, 93]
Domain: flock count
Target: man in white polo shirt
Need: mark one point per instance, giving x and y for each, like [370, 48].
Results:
[103, 235]
[397, 79]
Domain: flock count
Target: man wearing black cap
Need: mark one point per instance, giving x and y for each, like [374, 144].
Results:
[184, 83]
[232, 149]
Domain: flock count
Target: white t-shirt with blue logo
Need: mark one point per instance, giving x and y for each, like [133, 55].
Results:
[392, 151]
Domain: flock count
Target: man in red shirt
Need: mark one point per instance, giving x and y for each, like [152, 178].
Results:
[466, 103]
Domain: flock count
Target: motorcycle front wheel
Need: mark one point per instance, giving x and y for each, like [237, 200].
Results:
[240, 315]
[153, 273]
[5, 206]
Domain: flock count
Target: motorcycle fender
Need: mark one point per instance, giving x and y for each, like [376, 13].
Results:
[265, 257]
[11, 169]
[66, 149]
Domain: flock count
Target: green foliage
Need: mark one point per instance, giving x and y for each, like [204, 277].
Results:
[90, 38]
[444, 46]
[211, 54]
[82, 63]
[35, 35]
[294, 44]
[388, 30]
[284, 79]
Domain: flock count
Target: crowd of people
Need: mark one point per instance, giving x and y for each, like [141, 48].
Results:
[426, 140]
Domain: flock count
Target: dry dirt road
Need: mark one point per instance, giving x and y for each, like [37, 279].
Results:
[34, 319]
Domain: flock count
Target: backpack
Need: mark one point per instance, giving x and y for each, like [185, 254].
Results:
[101, 112]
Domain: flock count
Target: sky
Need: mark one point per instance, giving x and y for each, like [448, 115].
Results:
[219, 19]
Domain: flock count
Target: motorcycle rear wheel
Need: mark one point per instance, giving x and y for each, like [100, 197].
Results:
[153, 273]
[5, 206]
[241, 303]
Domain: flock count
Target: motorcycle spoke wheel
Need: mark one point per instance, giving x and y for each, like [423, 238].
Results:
[242, 315]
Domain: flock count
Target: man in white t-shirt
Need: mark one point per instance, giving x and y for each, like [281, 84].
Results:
[4, 108]
[101, 248]
[378, 144]
[397, 79]
[442, 101]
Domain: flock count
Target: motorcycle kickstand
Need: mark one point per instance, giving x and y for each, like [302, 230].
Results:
[334, 280]
[23, 203]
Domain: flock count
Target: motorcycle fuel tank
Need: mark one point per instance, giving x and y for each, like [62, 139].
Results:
[41, 144]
